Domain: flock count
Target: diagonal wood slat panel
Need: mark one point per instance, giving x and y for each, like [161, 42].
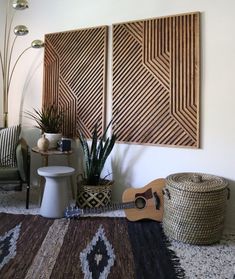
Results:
[75, 77]
[156, 81]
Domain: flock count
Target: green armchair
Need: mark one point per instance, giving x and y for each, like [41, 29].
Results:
[19, 174]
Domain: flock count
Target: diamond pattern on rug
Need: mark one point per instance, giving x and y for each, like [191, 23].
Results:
[8, 245]
[98, 257]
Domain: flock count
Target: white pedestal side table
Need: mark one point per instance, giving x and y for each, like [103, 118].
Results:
[56, 195]
[45, 162]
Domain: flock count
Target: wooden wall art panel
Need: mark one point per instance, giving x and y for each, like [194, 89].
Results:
[156, 81]
[75, 77]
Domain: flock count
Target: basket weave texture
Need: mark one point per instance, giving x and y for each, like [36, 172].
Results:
[90, 196]
[194, 207]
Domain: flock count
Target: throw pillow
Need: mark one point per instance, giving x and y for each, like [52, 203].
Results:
[9, 138]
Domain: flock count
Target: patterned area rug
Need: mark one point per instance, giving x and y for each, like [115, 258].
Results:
[205, 262]
[95, 247]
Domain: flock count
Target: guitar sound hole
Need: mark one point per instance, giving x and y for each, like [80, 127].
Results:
[140, 203]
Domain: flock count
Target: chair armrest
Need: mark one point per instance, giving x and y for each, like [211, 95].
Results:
[23, 160]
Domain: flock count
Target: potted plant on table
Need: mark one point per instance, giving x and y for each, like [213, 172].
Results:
[50, 121]
[94, 190]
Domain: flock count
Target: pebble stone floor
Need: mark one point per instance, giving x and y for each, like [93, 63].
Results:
[201, 262]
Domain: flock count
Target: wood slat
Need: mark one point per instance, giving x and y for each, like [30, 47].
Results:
[75, 77]
[156, 60]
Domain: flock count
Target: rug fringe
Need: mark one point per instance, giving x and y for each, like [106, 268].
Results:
[180, 272]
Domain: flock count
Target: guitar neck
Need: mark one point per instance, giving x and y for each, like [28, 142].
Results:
[111, 207]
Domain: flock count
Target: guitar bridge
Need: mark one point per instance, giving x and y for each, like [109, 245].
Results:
[157, 200]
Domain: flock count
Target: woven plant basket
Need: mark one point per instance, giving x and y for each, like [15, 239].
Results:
[194, 207]
[90, 196]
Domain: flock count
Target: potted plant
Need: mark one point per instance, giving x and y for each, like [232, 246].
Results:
[50, 121]
[94, 190]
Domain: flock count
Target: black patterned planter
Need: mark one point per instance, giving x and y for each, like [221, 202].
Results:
[90, 196]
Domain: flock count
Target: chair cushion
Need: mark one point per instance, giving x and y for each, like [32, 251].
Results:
[9, 174]
[9, 138]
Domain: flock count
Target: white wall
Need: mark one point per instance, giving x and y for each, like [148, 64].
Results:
[136, 165]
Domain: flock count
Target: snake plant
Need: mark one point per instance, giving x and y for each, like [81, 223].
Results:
[96, 155]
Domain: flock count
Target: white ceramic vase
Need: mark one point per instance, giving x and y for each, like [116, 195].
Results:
[53, 139]
[43, 143]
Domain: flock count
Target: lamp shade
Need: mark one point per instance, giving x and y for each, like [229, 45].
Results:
[20, 4]
[21, 30]
[37, 44]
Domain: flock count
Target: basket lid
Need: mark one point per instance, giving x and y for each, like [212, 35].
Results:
[196, 182]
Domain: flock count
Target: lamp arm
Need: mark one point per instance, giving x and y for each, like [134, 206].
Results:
[1, 63]
[5, 37]
[8, 57]
[5, 60]
[6, 76]
[8, 25]
[16, 62]
[9, 64]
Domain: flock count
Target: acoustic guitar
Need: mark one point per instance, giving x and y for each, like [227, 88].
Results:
[138, 203]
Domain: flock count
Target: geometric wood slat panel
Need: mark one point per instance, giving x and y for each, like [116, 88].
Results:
[75, 77]
[156, 72]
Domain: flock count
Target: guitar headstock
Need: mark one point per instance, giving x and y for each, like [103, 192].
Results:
[73, 212]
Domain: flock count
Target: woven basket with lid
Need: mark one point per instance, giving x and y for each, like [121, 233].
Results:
[194, 207]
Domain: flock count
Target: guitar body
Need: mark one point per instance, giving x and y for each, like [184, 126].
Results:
[148, 201]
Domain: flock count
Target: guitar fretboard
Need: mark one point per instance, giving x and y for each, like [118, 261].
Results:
[111, 207]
